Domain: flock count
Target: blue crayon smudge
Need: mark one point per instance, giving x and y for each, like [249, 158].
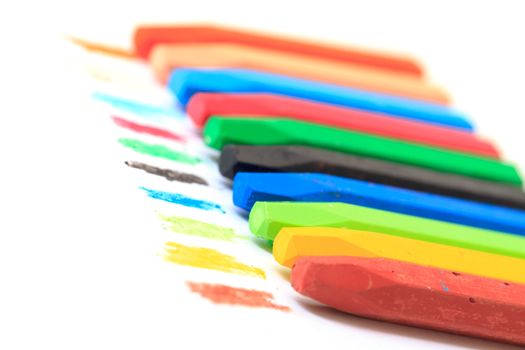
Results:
[177, 198]
[444, 286]
[139, 108]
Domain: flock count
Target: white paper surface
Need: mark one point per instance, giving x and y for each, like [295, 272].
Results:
[80, 242]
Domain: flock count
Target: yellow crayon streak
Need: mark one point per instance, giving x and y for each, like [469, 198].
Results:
[292, 243]
[206, 258]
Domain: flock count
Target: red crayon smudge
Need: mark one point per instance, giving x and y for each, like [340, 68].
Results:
[222, 294]
[147, 129]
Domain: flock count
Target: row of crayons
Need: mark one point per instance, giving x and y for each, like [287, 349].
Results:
[378, 194]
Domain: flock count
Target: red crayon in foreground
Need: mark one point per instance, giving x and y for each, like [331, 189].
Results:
[415, 295]
[146, 37]
[203, 105]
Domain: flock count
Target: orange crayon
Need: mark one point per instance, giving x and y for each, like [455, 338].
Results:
[165, 58]
[147, 37]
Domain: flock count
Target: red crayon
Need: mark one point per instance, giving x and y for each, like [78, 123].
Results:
[148, 36]
[203, 105]
[415, 295]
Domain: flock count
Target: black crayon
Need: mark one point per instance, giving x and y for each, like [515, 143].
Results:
[301, 159]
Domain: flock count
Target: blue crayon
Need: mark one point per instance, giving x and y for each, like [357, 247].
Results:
[249, 188]
[186, 82]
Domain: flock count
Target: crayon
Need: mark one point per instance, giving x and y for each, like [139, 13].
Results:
[220, 131]
[249, 188]
[295, 242]
[300, 159]
[415, 295]
[201, 106]
[268, 218]
[185, 82]
[147, 37]
[165, 58]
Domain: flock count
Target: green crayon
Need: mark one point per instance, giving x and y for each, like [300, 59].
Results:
[268, 218]
[220, 131]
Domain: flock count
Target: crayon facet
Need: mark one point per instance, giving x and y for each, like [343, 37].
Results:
[221, 131]
[165, 58]
[202, 106]
[415, 295]
[301, 159]
[295, 242]
[268, 218]
[249, 188]
[146, 37]
[185, 82]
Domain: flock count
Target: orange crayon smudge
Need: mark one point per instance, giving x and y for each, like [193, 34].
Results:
[222, 294]
[102, 49]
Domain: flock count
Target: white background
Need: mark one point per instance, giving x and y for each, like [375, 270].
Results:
[75, 271]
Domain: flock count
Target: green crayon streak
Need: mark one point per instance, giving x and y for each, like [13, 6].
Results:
[198, 228]
[158, 151]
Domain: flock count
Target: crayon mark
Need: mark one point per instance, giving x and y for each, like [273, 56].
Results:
[170, 175]
[159, 151]
[198, 228]
[222, 294]
[99, 74]
[102, 49]
[177, 198]
[133, 106]
[145, 129]
[443, 286]
[206, 258]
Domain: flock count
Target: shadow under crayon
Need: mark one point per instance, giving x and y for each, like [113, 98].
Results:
[343, 318]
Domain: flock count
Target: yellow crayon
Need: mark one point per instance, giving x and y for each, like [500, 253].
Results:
[293, 242]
